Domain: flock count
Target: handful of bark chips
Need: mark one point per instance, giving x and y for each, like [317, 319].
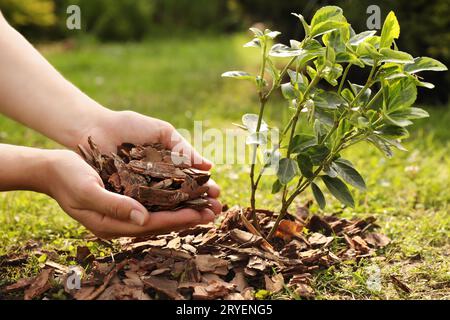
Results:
[156, 177]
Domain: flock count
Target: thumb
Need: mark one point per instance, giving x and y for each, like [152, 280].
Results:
[118, 206]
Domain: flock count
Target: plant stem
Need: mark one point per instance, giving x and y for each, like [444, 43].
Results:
[263, 99]
[302, 186]
[374, 98]
[255, 147]
[344, 77]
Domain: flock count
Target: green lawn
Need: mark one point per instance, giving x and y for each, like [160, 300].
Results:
[178, 80]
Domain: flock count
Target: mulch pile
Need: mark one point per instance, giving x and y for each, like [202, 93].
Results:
[230, 261]
[156, 177]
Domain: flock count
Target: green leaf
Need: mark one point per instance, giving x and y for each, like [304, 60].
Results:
[395, 56]
[311, 72]
[298, 78]
[347, 95]
[417, 113]
[250, 121]
[241, 75]
[276, 187]
[306, 27]
[363, 122]
[306, 166]
[256, 32]
[360, 37]
[424, 64]
[325, 116]
[402, 117]
[271, 34]
[283, 51]
[317, 153]
[318, 195]
[336, 39]
[327, 13]
[339, 190]
[326, 26]
[288, 91]
[349, 174]
[401, 94]
[381, 145]
[390, 31]
[392, 131]
[332, 72]
[366, 49]
[302, 141]
[287, 170]
[42, 258]
[365, 96]
[348, 57]
[327, 19]
[329, 171]
[328, 100]
[256, 43]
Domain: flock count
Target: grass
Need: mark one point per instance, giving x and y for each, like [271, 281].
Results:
[178, 80]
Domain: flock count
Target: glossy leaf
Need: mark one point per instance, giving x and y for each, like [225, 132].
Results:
[276, 186]
[287, 170]
[401, 94]
[328, 100]
[425, 64]
[317, 153]
[302, 141]
[318, 195]
[339, 190]
[390, 31]
[360, 37]
[241, 75]
[349, 174]
[395, 56]
[305, 25]
[250, 121]
[306, 166]
[283, 51]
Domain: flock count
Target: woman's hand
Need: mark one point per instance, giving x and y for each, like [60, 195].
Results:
[111, 129]
[80, 192]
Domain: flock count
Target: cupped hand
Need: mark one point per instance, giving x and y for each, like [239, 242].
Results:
[114, 128]
[80, 192]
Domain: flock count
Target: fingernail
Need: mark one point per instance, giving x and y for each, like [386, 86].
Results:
[137, 217]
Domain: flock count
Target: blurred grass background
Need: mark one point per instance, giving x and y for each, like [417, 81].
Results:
[176, 77]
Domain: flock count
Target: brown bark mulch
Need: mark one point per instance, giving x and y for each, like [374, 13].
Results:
[230, 261]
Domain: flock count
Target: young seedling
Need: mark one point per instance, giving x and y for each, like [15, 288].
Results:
[337, 113]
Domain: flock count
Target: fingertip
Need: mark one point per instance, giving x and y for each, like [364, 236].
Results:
[202, 164]
[216, 206]
[214, 189]
[207, 216]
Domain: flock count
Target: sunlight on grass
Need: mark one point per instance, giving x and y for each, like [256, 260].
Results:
[179, 80]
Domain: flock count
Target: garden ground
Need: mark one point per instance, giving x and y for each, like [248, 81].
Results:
[178, 80]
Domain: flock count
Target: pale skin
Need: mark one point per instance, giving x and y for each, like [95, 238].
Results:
[33, 93]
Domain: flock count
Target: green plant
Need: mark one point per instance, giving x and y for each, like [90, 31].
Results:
[338, 115]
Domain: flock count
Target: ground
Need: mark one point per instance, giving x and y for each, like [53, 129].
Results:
[178, 80]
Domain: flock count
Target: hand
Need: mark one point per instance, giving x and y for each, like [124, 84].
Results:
[111, 129]
[80, 192]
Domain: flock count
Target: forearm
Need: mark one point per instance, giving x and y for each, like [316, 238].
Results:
[33, 93]
[23, 168]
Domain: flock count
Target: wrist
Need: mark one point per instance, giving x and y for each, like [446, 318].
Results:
[92, 116]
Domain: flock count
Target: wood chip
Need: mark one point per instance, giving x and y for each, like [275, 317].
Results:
[163, 285]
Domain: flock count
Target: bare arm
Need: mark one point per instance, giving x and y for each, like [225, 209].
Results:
[33, 93]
